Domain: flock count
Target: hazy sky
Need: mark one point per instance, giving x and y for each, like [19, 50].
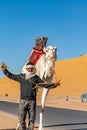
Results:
[64, 22]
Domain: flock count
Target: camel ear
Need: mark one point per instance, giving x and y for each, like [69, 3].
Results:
[55, 48]
[46, 49]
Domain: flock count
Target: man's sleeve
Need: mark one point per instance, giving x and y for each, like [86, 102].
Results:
[49, 86]
[10, 75]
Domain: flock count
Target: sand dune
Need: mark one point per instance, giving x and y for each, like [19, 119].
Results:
[73, 75]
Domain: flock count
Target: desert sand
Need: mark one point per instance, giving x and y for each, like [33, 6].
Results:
[73, 76]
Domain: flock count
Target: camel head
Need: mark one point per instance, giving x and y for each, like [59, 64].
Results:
[51, 52]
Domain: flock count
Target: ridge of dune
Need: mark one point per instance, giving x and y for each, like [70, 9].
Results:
[73, 75]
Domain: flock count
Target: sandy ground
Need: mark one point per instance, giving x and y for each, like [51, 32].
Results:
[9, 122]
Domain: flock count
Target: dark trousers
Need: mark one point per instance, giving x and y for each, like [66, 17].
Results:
[27, 106]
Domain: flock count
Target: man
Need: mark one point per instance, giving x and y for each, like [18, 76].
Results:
[38, 46]
[38, 50]
[44, 41]
[28, 88]
[40, 43]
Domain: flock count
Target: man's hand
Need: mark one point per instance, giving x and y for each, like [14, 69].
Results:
[57, 83]
[3, 66]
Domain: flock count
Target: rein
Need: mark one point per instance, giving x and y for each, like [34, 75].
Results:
[36, 85]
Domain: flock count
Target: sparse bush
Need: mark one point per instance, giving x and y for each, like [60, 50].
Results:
[6, 95]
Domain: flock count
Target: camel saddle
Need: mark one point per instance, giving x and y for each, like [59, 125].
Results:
[36, 54]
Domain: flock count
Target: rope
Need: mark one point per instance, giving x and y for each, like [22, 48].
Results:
[55, 76]
[36, 85]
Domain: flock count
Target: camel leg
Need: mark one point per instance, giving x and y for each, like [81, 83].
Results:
[40, 123]
[44, 95]
[18, 126]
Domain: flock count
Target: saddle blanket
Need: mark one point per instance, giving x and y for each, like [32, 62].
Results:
[35, 56]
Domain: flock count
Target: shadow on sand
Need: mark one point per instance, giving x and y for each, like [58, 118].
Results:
[15, 129]
[68, 124]
[78, 129]
[8, 129]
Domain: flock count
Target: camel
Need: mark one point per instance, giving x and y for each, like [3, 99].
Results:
[45, 69]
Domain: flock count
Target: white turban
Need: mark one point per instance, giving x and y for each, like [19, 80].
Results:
[28, 74]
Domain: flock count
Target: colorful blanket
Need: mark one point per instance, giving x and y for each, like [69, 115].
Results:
[35, 56]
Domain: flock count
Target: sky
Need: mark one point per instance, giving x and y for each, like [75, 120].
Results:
[64, 22]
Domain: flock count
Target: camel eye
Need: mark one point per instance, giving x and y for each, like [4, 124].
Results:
[46, 50]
